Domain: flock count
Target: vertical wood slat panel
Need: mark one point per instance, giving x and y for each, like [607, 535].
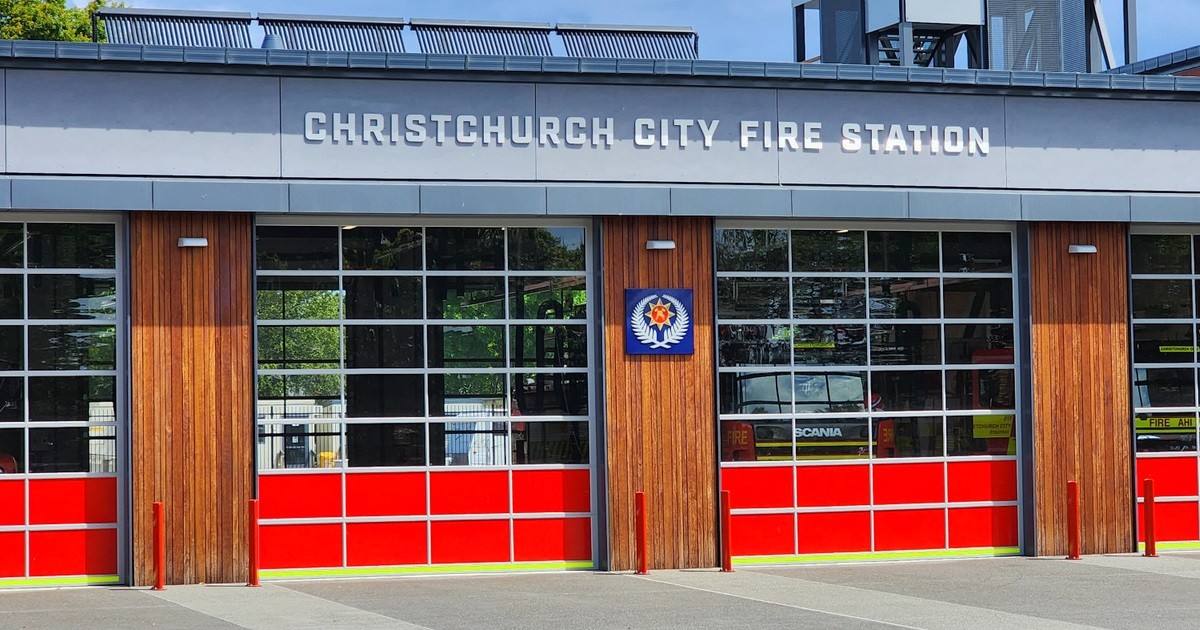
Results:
[660, 411]
[192, 401]
[1081, 381]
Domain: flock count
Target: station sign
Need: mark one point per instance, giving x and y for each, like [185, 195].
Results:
[659, 321]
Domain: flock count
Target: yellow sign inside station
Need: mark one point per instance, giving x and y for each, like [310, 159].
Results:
[987, 427]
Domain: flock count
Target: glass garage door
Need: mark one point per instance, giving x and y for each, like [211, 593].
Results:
[867, 392]
[59, 415]
[423, 398]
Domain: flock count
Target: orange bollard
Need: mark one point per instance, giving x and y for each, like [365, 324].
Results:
[1073, 520]
[639, 515]
[252, 547]
[726, 547]
[160, 548]
[1148, 510]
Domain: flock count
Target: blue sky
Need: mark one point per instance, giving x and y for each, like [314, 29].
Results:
[758, 30]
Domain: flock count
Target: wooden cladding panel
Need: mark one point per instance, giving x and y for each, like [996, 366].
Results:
[1081, 397]
[660, 410]
[192, 384]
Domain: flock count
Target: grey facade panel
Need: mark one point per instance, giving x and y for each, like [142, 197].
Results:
[1164, 209]
[608, 200]
[3, 122]
[5, 193]
[731, 202]
[354, 198]
[850, 203]
[482, 199]
[81, 194]
[221, 196]
[1069, 207]
[979, 206]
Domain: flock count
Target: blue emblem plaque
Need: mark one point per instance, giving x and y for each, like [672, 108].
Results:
[659, 321]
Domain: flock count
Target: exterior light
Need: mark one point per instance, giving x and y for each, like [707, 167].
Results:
[1081, 249]
[193, 241]
[660, 244]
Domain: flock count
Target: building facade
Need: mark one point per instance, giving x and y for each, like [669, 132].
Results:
[385, 294]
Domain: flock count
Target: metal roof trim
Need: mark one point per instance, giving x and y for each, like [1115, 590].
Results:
[524, 26]
[172, 13]
[625, 28]
[331, 19]
[1162, 62]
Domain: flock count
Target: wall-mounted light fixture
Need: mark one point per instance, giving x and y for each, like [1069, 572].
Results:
[1081, 249]
[193, 241]
[660, 244]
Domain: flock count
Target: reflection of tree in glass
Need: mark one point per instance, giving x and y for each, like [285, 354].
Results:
[827, 250]
[751, 250]
[546, 249]
[299, 346]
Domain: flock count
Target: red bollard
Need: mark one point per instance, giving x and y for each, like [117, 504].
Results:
[726, 549]
[160, 548]
[1073, 520]
[252, 547]
[1148, 509]
[639, 516]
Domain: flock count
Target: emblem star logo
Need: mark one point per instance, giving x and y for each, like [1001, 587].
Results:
[659, 314]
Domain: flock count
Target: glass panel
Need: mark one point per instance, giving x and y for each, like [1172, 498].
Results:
[12, 348]
[72, 297]
[295, 247]
[1162, 298]
[12, 399]
[979, 343]
[831, 345]
[1164, 388]
[755, 392]
[12, 296]
[386, 444]
[299, 347]
[832, 438]
[548, 346]
[283, 446]
[72, 348]
[475, 395]
[829, 298]
[756, 345]
[72, 246]
[827, 250]
[544, 394]
[976, 252]
[72, 399]
[378, 297]
[475, 249]
[751, 250]
[550, 443]
[384, 347]
[546, 249]
[381, 248]
[469, 443]
[981, 389]
[1160, 253]
[830, 391]
[752, 298]
[915, 390]
[547, 297]
[756, 440]
[12, 252]
[298, 298]
[466, 297]
[989, 434]
[906, 344]
[1163, 343]
[903, 251]
[300, 396]
[1165, 432]
[905, 298]
[466, 346]
[385, 395]
[981, 297]
[12, 451]
[72, 449]
[908, 437]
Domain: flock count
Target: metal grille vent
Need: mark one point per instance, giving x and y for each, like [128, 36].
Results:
[629, 42]
[440, 37]
[335, 33]
[150, 27]
[1037, 35]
